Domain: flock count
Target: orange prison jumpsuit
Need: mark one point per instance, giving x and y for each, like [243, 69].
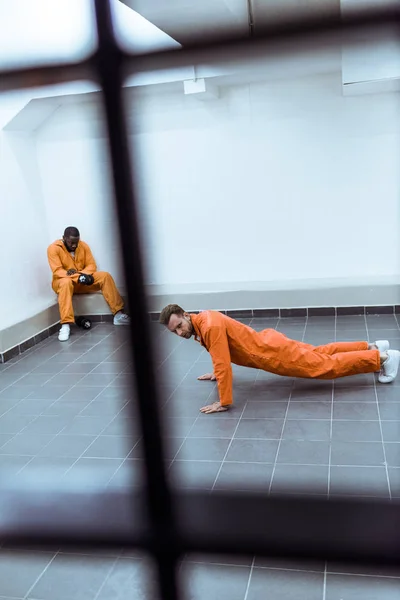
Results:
[60, 261]
[229, 341]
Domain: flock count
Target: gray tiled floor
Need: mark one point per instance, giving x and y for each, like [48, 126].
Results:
[65, 407]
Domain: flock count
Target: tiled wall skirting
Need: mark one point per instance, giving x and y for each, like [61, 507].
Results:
[32, 341]
[271, 313]
[238, 314]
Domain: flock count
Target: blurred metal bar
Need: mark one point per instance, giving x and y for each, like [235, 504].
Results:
[109, 67]
[32, 77]
[291, 37]
[311, 33]
[69, 514]
[358, 531]
[355, 530]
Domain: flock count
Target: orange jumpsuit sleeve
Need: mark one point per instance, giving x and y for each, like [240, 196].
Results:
[55, 262]
[90, 264]
[218, 347]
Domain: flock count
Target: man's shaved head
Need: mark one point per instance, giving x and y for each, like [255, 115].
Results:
[71, 232]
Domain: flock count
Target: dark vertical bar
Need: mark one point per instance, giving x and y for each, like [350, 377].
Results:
[109, 66]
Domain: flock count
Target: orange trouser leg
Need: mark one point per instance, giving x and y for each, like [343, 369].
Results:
[284, 356]
[64, 288]
[103, 282]
[336, 347]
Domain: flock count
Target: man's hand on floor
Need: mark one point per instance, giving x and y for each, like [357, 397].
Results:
[207, 377]
[213, 408]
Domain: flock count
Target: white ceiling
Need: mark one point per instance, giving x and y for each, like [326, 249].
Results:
[186, 20]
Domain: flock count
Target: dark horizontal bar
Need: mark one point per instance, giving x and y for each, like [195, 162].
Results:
[211, 51]
[40, 76]
[291, 37]
[303, 527]
[70, 515]
[363, 531]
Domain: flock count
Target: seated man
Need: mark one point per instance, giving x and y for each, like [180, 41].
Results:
[229, 341]
[75, 272]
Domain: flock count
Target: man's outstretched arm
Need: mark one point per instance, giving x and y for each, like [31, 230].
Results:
[217, 344]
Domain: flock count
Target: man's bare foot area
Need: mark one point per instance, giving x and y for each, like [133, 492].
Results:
[213, 408]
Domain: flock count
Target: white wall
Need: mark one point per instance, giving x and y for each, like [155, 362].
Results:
[273, 182]
[76, 183]
[25, 282]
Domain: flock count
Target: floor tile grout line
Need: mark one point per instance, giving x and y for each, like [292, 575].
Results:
[42, 344]
[249, 579]
[290, 569]
[197, 417]
[60, 432]
[202, 460]
[55, 401]
[170, 354]
[331, 429]
[232, 437]
[284, 423]
[108, 575]
[28, 373]
[41, 575]
[330, 441]
[49, 341]
[324, 584]
[93, 441]
[205, 460]
[97, 364]
[257, 379]
[181, 381]
[380, 423]
[246, 566]
[108, 424]
[229, 446]
[286, 463]
[374, 575]
[101, 388]
[50, 378]
[91, 371]
[169, 397]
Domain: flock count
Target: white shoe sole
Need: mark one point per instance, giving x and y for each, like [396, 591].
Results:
[390, 367]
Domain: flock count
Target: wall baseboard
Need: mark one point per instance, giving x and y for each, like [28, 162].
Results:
[23, 335]
[266, 313]
[18, 349]
[317, 311]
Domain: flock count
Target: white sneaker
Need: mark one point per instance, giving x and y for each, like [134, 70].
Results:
[121, 318]
[390, 367]
[382, 345]
[64, 333]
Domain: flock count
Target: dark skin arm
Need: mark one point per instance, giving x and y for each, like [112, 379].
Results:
[71, 272]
